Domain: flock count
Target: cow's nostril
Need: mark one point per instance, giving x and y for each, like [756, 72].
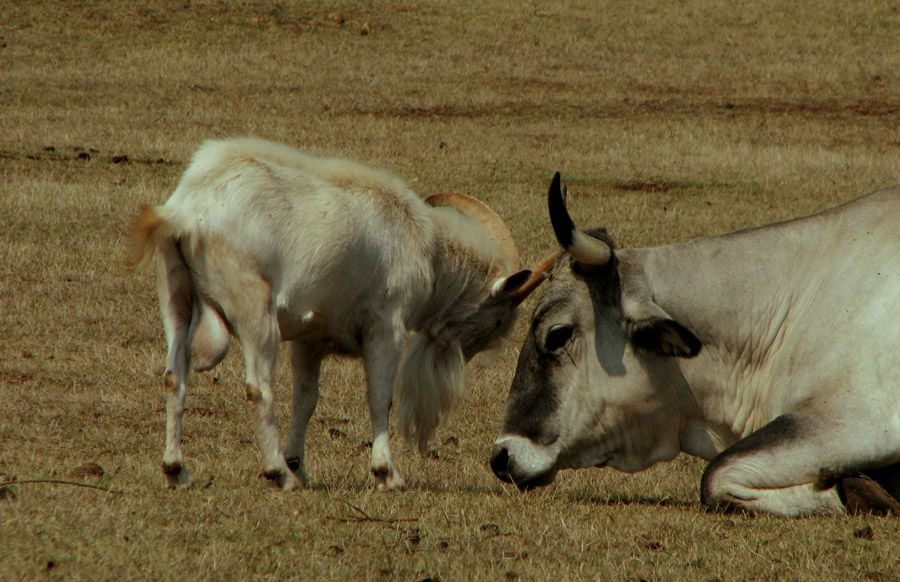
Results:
[500, 464]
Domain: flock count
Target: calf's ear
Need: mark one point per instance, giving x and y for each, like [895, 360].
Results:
[664, 337]
[511, 283]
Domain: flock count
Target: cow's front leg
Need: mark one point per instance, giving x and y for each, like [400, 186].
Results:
[382, 352]
[306, 363]
[774, 470]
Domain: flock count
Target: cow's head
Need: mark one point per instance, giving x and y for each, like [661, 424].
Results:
[597, 383]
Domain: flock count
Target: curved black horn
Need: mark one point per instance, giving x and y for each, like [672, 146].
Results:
[584, 248]
[563, 226]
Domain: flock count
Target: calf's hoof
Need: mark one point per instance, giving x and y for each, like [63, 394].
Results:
[286, 480]
[385, 480]
[293, 464]
[176, 475]
[296, 467]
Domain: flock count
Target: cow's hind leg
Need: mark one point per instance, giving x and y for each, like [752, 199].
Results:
[775, 470]
[306, 363]
[175, 297]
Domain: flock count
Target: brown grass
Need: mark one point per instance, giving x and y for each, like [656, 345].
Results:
[668, 121]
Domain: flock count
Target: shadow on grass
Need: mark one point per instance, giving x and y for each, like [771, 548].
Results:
[413, 486]
[619, 499]
[579, 497]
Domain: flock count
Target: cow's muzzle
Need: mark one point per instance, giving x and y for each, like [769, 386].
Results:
[500, 464]
[534, 472]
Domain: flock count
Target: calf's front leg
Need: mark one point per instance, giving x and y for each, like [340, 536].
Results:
[306, 364]
[381, 353]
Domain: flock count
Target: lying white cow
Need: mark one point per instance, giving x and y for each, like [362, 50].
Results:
[773, 352]
[267, 244]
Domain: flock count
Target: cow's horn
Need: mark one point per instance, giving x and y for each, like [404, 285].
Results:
[584, 248]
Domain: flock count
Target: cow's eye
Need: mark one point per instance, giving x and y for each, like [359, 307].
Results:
[558, 336]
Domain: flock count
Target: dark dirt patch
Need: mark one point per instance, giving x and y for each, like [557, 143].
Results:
[442, 111]
[81, 154]
[812, 109]
[640, 186]
[631, 107]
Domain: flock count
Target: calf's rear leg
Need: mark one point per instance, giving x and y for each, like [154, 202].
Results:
[260, 339]
[175, 297]
[888, 478]
[873, 491]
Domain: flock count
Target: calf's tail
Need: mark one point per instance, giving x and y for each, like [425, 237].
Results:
[188, 319]
[146, 230]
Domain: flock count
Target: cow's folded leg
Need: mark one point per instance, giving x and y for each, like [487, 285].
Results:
[774, 470]
[792, 501]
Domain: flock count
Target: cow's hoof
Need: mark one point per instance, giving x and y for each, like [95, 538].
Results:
[863, 496]
[291, 483]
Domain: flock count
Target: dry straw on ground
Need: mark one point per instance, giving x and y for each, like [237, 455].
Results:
[668, 120]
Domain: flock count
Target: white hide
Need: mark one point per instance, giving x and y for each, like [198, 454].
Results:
[798, 322]
[275, 245]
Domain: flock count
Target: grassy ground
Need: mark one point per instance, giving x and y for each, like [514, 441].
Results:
[669, 121]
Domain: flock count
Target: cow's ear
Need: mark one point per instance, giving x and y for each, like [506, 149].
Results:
[664, 336]
[648, 325]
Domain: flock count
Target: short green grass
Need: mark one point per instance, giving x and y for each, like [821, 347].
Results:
[668, 121]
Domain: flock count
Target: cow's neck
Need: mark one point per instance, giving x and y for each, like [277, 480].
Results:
[738, 294]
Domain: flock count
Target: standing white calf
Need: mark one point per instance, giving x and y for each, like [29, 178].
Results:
[267, 244]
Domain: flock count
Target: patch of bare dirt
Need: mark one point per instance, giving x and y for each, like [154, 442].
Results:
[443, 111]
[87, 470]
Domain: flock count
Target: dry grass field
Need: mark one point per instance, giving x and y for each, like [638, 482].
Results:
[668, 120]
